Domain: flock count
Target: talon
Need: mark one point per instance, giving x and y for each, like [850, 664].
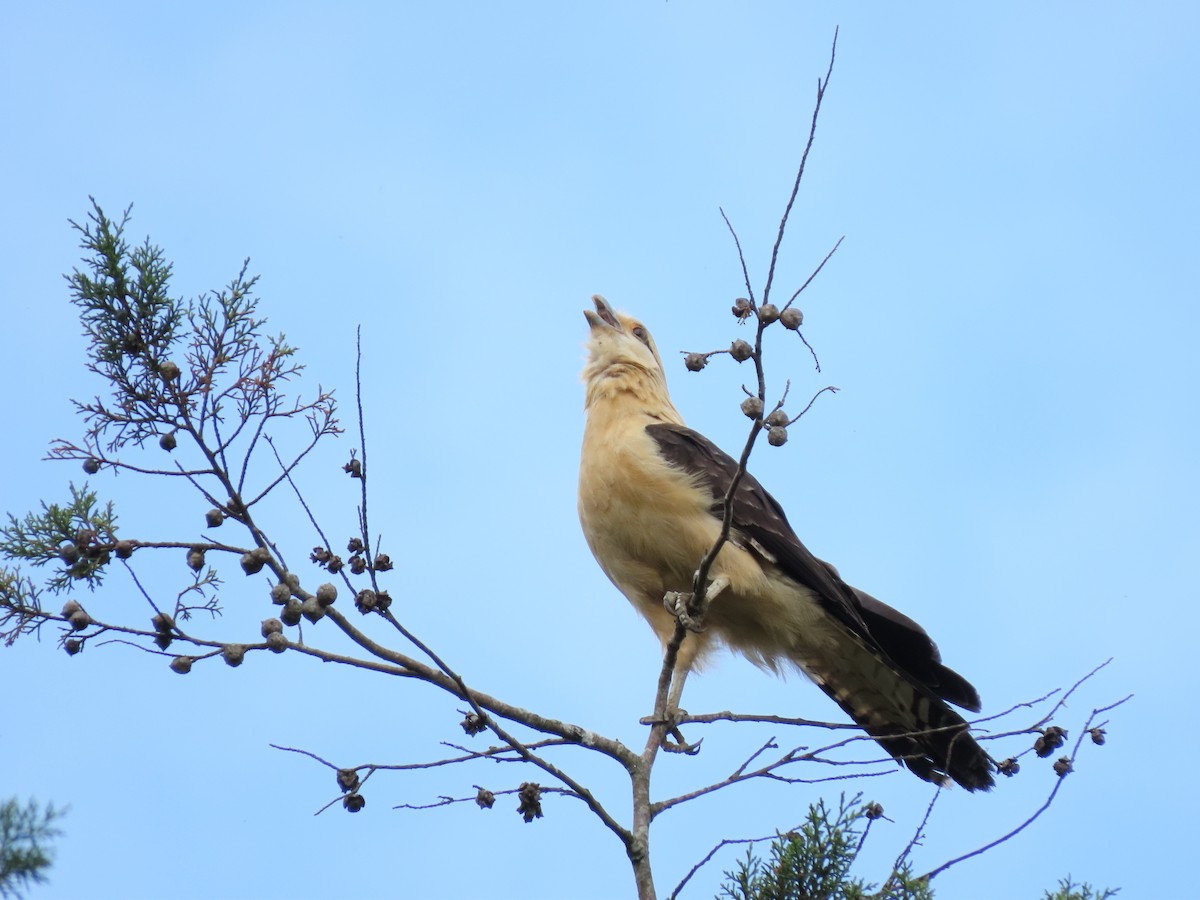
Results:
[676, 602]
[674, 742]
[679, 604]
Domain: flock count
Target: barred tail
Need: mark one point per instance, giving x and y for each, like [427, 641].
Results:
[907, 718]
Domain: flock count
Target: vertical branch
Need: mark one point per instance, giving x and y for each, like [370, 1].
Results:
[362, 448]
[697, 606]
[812, 131]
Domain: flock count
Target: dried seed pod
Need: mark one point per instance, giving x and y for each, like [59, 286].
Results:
[791, 318]
[310, 609]
[168, 442]
[233, 654]
[72, 646]
[383, 563]
[214, 517]
[474, 723]
[347, 780]
[1008, 767]
[320, 556]
[70, 608]
[163, 640]
[777, 418]
[124, 549]
[270, 627]
[358, 565]
[253, 562]
[768, 313]
[79, 620]
[335, 564]
[280, 594]
[740, 350]
[485, 799]
[277, 643]
[181, 664]
[752, 407]
[355, 545]
[292, 612]
[162, 623]
[1050, 740]
[1097, 736]
[531, 801]
[326, 594]
[383, 600]
[741, 308]
[695, 361]
[68, 553]
[168, 370]
[91, 466]
[353, 802]
[1062, 766]
[353, 468]
[195, 559]
[777, 436]
[873, 811]
[365, 601]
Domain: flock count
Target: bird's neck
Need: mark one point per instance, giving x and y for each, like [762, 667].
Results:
[625, 391]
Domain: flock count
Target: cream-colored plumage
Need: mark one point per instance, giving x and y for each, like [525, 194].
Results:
[649, 524]
[649, 502]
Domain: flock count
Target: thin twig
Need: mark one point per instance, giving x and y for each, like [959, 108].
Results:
[741, 256]
[812, 133]
[814, 274]
[929, 876]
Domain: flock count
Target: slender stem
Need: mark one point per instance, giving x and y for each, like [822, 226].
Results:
[812, 133]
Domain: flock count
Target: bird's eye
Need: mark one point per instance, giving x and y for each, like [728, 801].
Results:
[640, 333]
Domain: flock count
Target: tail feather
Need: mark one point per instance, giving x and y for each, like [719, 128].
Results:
[912, 723]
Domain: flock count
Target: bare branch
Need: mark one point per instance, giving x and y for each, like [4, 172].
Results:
[812, 133]
[741, 256]
[1058, 783]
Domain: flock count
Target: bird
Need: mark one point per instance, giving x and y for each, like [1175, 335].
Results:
[651, 501]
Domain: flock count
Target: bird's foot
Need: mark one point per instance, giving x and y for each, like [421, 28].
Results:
[673, 742]
[679, 604]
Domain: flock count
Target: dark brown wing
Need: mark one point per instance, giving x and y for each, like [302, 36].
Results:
[884, 642]
[759, 517]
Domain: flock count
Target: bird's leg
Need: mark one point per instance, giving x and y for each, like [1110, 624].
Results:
[673, 741]
[714, 589]
[690, 614]
[678, 678]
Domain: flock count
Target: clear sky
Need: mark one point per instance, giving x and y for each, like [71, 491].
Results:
[1012, 458]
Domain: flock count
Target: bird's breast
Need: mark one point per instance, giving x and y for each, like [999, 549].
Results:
[646, 522]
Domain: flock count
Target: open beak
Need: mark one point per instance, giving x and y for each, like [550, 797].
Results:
[603, 316]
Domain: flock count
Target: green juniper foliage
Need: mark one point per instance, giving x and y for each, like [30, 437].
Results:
[1069, 890]
[195, 386]
[25, 832]
[175, 366]
[75, 535]
[814, 862]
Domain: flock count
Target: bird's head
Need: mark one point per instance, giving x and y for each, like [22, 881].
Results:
[622, 360]
[617, 343]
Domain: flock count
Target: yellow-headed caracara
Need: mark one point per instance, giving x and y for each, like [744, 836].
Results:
[651, 501]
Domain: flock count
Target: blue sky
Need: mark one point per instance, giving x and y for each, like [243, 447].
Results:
[1011, 460]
